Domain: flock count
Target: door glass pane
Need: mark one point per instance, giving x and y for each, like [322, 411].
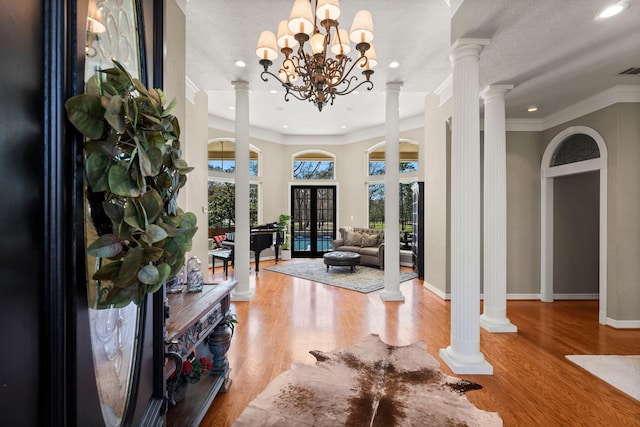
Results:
[300, 220]
[324, 220]
[112, 34]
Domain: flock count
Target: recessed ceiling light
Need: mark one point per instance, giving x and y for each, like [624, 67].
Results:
[532, 109]
[355, 92]
[273, 91]
[232, 107]
[240, 63]
[285, 126]
[394, 64]
[613, 10]
[343, 127]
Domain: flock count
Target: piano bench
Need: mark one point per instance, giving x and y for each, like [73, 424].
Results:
[225, 255]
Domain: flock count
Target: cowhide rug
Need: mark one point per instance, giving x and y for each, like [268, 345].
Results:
[370, 384]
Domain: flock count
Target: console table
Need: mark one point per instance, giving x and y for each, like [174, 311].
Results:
[192, 317]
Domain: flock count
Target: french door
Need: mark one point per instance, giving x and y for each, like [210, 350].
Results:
[313, 219]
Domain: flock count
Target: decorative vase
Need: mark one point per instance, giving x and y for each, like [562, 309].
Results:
[179, 391]
[219, 343]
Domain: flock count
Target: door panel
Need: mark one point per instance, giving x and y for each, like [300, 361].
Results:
[312, 220]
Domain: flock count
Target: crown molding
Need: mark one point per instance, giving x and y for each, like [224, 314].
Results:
[614, 95]
[445, 90]
[190, 90]
[524, 125]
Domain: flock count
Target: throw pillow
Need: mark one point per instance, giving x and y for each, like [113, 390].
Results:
[369, 240]
[353, 239]
[219, 239]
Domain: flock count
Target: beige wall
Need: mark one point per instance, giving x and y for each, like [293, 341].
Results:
[620, 128]
[524, 154]
[437, 149]
[575, 233]
[192, 117]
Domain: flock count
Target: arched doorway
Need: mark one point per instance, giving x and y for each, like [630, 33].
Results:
[575, 150]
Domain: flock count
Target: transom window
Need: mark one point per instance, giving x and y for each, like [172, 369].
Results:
[408, 158]
[576, 148]
[222, 157]
[313, 165]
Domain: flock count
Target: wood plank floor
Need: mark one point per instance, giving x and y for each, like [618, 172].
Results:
[533, 383]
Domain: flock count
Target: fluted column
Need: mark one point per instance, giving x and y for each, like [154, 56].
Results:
[391, 291]
[463, 356]
[243, 291]
[494, 318]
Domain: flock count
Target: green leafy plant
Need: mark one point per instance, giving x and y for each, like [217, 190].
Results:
[283, 223]
[133, 173]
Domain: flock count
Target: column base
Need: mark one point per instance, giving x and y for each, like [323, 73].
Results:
[385, 295]
[497, 325]
[242, 296]
[459, 365]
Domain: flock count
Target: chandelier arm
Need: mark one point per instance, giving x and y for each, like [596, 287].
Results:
[346, 76]
[361, 83]
[269, 73]
[294, 94]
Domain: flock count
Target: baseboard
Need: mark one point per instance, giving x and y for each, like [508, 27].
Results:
[575, 296]
[436, 291]
[523, 296]
[623, 324]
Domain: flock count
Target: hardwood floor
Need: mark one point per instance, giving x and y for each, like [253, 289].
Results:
[533, 383]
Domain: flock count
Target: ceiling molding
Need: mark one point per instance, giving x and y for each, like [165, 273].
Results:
[524, 125]
[615, 95]
[182, 4]
[190, 90]
[445, 90]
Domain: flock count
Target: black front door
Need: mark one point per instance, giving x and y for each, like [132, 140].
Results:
[313, 225]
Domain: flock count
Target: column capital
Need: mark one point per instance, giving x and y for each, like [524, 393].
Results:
[467, 47]
[394, 87]
[495, 91]
[240, 85]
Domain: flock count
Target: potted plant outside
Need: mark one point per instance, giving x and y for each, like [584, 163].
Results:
[133, 172]
[283, 223]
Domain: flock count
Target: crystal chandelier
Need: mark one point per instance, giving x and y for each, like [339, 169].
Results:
[318, 76]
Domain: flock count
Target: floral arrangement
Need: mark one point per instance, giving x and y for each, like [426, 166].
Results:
[192, 371]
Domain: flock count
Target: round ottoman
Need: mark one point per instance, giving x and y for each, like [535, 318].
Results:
[341, 259]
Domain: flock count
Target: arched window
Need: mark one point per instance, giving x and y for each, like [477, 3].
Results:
[408, 158]
[576, 148]
[313, 165]
[221, 156]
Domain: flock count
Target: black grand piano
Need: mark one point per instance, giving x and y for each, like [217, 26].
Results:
[261, 238]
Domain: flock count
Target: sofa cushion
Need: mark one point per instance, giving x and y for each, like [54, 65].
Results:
[369, 251]
[346, 248]
[369, 240]
[353, 239]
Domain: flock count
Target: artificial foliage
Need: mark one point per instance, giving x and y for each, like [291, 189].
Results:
[133, 173]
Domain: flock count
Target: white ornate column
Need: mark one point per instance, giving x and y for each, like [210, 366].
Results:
[463, 356]
[391, 291]
[243, 291]
[494, 318]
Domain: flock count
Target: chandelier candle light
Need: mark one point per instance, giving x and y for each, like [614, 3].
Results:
[318, 77]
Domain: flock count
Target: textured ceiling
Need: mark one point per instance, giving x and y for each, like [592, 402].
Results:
[553, 51]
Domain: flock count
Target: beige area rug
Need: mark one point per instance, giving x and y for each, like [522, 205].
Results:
[622, 372]
[369, 384]
[363, 279]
